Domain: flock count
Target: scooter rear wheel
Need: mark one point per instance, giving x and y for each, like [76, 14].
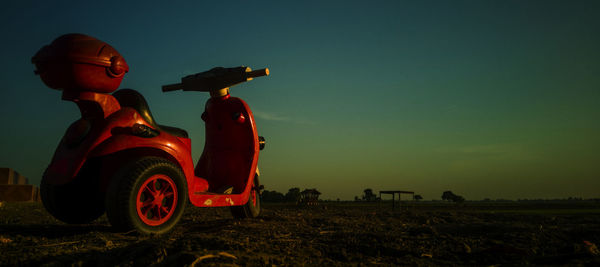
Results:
[76, 202]
[252, 208]
[148, 195]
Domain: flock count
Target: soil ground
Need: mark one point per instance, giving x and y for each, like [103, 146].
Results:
[331, 233]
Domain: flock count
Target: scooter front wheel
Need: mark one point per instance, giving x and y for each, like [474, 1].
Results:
[252, 208]
[148, 195]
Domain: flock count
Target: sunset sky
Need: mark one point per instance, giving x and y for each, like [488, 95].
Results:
[489, 99]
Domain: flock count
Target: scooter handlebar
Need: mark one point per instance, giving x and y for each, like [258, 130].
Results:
[172, 87]
[258, 73]
[215, 79]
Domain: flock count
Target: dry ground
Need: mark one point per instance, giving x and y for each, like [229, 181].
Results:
[329, 234]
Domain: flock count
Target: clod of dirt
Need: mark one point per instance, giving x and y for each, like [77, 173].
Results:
[5, 240]
[591, 248]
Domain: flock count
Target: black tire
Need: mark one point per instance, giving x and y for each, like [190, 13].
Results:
[78, 202]
[131, 187]
[252, 208]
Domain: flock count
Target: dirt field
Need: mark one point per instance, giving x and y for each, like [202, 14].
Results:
[328, 234]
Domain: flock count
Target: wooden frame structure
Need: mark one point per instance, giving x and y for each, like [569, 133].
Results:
[393, 193]
[309, 197]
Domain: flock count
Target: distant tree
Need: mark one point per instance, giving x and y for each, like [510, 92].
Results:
[449, 196]
[417, 197]
[272, 196]
[369, 196]
[293, 195]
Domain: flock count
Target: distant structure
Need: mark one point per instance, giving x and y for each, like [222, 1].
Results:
[393, 193]
[309, 197]
[14, 187]
[369, 196]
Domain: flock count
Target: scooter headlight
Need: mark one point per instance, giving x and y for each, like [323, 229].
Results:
[142, 130]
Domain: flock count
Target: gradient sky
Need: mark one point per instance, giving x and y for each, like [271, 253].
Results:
[489, 99]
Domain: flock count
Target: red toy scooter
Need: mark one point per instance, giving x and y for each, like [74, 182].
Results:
[117, 159]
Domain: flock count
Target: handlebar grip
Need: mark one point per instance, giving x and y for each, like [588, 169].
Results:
[258, 73]
[172, 87]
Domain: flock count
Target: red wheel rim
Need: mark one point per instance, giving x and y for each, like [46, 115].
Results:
[253, 195]
[156, 200]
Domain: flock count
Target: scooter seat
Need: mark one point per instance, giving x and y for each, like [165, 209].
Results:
[133, 99]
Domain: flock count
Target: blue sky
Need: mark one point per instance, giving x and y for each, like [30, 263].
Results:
[495, 99]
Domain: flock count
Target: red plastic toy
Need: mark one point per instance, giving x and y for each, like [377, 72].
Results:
[117, 158]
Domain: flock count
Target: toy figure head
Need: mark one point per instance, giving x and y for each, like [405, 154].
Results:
[77, 62]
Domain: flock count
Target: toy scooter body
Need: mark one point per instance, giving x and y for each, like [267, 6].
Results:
[117, 159]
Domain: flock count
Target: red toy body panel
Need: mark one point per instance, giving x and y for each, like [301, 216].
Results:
[70, 156]
[107, 103]
[230, 154]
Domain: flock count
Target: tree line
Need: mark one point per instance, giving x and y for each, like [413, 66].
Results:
[293, 195]
[447, 196]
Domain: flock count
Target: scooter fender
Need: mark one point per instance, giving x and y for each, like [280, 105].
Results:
[177, 150]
